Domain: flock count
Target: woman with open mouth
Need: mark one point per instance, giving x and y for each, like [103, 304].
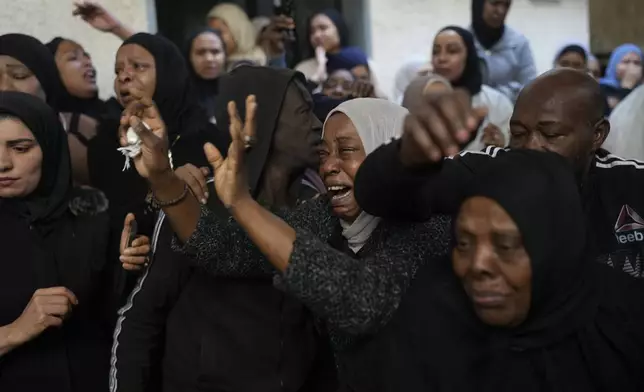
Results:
[348, 267]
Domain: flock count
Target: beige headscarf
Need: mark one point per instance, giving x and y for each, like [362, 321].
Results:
[243, 33]
[378, 122]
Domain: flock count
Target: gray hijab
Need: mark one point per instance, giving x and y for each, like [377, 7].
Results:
[378, 122]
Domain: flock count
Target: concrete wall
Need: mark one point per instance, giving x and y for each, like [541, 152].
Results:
[401, 29]
[46, 19]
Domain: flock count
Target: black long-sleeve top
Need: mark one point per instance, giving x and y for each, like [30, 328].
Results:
[612, 193]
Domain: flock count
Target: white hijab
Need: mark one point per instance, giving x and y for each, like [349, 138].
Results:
[243, 32]
[378, 122]
[626, 137]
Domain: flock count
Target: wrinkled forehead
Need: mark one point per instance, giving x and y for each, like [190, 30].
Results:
[545, 102]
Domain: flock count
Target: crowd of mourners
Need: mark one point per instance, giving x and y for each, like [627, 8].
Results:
[228, 223]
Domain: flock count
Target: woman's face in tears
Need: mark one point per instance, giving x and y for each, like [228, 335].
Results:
[15, 76]
[20, 159]
[341, 154]
[492, 263]
[135, 68]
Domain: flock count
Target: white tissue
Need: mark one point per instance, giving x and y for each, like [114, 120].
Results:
[133, 148]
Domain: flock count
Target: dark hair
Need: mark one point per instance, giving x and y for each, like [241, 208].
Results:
[574, 48]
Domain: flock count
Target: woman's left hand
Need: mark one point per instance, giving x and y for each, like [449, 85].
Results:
[134, 256]
[230, 173]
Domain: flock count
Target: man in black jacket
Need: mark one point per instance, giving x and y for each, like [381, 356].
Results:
[561, 111]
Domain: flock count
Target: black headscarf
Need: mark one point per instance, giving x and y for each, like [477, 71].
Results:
[50, 200]
[472, 78]
[174, 93]
[486, 35]
[37, 57]
[572, 48]
[93, 107]
[339, 22]
[206, 90]
[583, 328]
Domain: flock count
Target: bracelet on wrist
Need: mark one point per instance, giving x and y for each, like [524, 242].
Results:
[170, 203]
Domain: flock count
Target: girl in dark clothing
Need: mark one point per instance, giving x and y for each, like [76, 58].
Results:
[348, 267]
[205, 52]
[244, 335]
[58, 289]
[522, 306]
[153, 66]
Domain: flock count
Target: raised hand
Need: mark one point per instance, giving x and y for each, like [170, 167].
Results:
[135, 249]
[230, 173]
[96, 16]
[437, 127]
[47, 308]
[153, 161]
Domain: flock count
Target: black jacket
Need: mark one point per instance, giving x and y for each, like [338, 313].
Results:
[183, 330]
[613, 197]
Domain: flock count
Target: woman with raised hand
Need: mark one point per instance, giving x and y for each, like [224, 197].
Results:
[351, 269]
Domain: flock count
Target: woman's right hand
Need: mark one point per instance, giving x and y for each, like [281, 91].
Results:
[153, 161]
[230, 173]
[96, 16]
[47, 308]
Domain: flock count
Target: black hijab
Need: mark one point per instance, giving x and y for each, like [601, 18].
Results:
[93, 107]
[37, 57]
[486, 35]
[472, 78]
[582, 331]
[206, 90]
[49, 201]
[339, 22]
[174, 93]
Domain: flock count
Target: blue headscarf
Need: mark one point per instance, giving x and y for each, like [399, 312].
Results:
[618, 54]
[347, 58]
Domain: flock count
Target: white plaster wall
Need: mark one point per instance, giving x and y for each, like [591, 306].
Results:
[46, 19]
[403, 29]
